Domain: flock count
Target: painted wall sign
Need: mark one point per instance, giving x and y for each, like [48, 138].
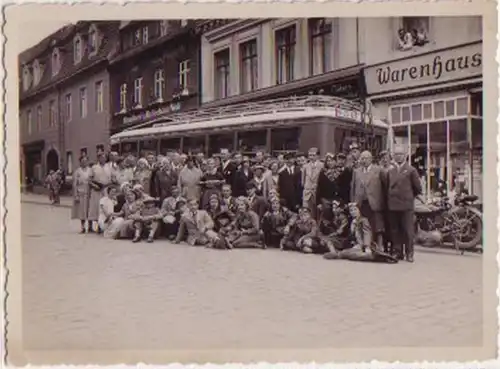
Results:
[151, 114]
[431, 68]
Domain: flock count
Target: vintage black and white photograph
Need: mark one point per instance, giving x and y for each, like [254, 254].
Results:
[195, 184]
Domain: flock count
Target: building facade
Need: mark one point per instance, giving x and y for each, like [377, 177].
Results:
[154, 72]
[253, 60]
[64, 98]
[428, 87]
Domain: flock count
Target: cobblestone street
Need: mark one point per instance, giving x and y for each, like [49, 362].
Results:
[84, 292]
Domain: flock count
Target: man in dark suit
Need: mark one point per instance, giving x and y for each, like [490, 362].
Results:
[367, 191]
[403, 186]
[290, 184]
[256, 203]
[241, 177]
[343, 181]
[228, 167]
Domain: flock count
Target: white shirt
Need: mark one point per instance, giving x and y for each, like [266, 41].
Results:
[106, 206]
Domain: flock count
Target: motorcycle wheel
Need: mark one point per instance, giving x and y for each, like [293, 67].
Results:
[467, 227]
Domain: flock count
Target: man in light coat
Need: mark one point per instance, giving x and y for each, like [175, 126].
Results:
[310, 181]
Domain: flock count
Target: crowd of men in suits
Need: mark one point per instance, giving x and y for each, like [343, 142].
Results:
[345, 205]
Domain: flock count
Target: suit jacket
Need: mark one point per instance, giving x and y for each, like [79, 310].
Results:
[228, 171]
[240, 182]
[403, 185]
[194, 226]
[343, 182]
[258, 205]
[290, 187]
[369, 186]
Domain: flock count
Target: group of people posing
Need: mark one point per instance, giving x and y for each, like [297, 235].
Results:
[345, 206]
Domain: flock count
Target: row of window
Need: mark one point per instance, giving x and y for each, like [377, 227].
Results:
[320, 53]
[436, 110]
[139, 100]
[68, 108]
[33, 75]
[141, 35]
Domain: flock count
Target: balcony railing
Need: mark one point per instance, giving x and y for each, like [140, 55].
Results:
[346, 108]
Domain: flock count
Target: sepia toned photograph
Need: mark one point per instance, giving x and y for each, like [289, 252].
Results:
[201, 184]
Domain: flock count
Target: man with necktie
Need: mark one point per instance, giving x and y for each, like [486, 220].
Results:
[367, 192]
[403, 186]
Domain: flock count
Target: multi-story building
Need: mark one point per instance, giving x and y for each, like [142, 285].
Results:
[424, 77]
[258, 60]
[154, 73]
[64, 99]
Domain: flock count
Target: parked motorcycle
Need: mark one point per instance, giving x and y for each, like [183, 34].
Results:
[454, 221]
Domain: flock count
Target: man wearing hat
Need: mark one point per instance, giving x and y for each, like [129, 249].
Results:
[242, 176]
[290, 183]
[148, 220]
[403, 186]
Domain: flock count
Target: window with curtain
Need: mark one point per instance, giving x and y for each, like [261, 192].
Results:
[249, 66]
[320, 44]
[285, 40]
[222, 65]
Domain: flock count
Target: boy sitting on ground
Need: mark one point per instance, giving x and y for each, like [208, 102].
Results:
[171, 214]
[148, 220]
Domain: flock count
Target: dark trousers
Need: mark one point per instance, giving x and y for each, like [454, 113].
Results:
[402, 231]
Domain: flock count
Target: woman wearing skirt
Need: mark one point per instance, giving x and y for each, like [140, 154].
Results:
[81, 194]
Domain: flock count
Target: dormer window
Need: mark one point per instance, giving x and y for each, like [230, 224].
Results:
[26, 78]
[37, 73]
[56, 62]
[77, 49]
[93, 40]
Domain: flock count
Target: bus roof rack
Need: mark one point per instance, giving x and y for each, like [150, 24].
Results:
[254, 108]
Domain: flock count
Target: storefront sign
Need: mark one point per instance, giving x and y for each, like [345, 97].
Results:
[431, 68]
[151, 114]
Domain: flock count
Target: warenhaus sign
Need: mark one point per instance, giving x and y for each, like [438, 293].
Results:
[437, 67]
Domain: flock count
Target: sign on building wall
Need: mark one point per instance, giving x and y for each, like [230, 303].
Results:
[426, 69]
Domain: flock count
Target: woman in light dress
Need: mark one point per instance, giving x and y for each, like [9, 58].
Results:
[142, 175]
[107, 213]
[101, 178]
[81, 195]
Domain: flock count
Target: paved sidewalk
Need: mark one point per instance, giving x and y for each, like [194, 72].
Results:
[87, 292]
[66, 201]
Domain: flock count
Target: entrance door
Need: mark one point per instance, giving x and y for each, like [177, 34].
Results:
[52, 160]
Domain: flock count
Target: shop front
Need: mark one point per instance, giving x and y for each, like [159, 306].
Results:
[433, 104]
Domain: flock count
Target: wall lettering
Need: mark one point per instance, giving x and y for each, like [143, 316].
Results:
[441, 66]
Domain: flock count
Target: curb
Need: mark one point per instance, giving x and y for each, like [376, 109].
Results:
[46, 204]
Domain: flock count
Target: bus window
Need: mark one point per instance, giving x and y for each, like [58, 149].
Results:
[129, 148]
[194, 145]
[220, 141]
[251, 141]
[146, 147]
[285, 139]
[169, 145]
